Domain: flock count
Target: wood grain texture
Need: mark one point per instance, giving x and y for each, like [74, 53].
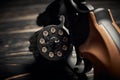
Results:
[18, 24]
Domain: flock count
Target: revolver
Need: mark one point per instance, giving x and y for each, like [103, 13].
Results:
[93, 32]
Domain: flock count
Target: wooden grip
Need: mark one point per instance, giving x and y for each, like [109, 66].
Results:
[101, 49]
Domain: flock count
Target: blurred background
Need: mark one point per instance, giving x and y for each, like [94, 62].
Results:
[18, 23]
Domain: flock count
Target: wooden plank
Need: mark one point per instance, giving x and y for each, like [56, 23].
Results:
[18, 24]
[8, 70]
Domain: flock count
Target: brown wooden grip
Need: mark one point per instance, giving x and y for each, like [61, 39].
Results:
[101, 50]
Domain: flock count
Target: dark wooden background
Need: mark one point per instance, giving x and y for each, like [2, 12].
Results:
[18, 23]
